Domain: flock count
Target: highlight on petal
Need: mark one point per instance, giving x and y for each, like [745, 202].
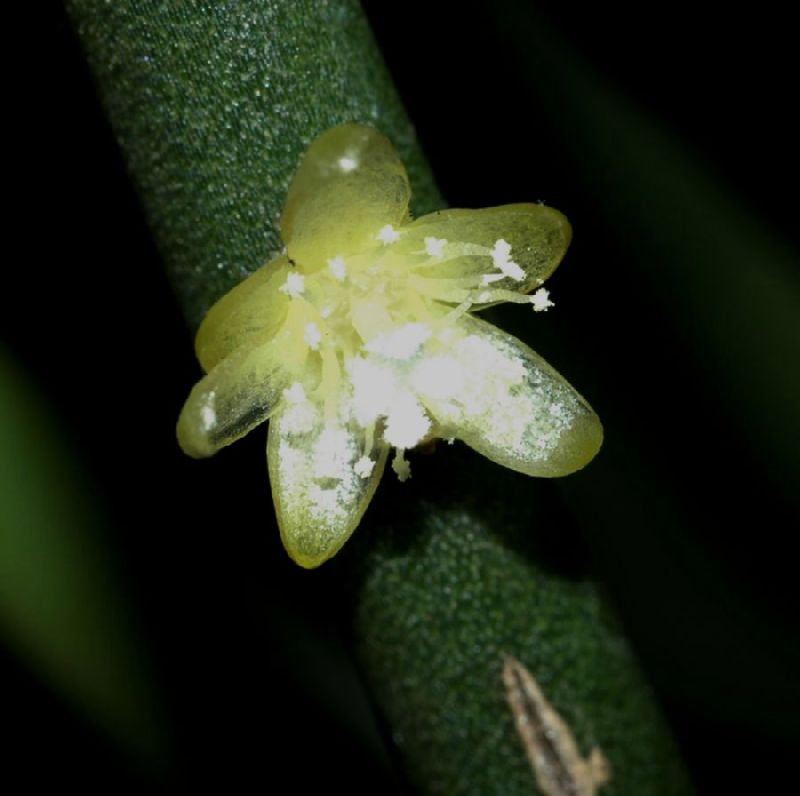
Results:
[324, 471]
[237, 395]
[512, 247]
[493, 392]
[252, 310]
[349, 186]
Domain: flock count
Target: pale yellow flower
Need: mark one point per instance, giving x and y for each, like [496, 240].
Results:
[360, 338]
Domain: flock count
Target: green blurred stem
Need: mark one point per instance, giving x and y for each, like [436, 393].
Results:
[213, 104]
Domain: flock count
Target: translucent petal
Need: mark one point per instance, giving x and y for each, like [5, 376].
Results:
[493, 392]
[252, 310]
[321, 480]
[349, 185]
[238, 394]
[538, 237]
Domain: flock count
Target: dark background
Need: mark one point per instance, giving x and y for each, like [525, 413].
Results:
[711, 609]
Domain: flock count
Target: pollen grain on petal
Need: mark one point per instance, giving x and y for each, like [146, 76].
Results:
[364, 467]
[388, 234]
[541, 300]
[435, 246]
[402, 342]
[338, 268]
[313, 336]
[294, 286]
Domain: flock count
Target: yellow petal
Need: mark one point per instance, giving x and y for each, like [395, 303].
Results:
[321, 479]
[348, 187]
[493, 392]
[252, 310]
[238, 394]
[468, 244]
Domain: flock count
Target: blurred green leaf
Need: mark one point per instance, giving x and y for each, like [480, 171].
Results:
[62, 608]
[729, 284]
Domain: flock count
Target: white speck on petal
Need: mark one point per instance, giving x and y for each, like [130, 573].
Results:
[312, 336]
[347, 164]
[374, 388]
[331, 454]
[501, 252]
[541, 300]
[295, 285]
[388, 234]
[435, 246]
[406, 423]
[295, 394]
[364, 467]
[440, 377]
[501, 258]
[325, 312]
[401, 343]
[338, 268]
[513, 271]
[208, 415]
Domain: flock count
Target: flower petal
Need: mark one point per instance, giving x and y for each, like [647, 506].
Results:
[517, 246]
[322, 479]
[501, 398]
[348, 187]
[253, 309]
[238, 394]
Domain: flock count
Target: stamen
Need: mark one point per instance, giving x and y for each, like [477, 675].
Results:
[338, 268]
[541, 300]
[388, 234]
[435, 246]
[295, 285]
[312, 336]
[400, 465]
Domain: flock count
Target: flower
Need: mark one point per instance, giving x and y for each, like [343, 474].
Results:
[360, 338]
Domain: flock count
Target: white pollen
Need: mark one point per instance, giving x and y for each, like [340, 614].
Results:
[374, 388]
[512, 270]
[331, 454]
[364, 467]
[406, 422]
[338, 268]
[208, 416]
[295, 394]
[442, 377]
[541, 300]
[312, 336]
[501, 252]
[435, 246]
[401, 343]
[295, 285]
[501, 259]
[347, 164]
[388, 234]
